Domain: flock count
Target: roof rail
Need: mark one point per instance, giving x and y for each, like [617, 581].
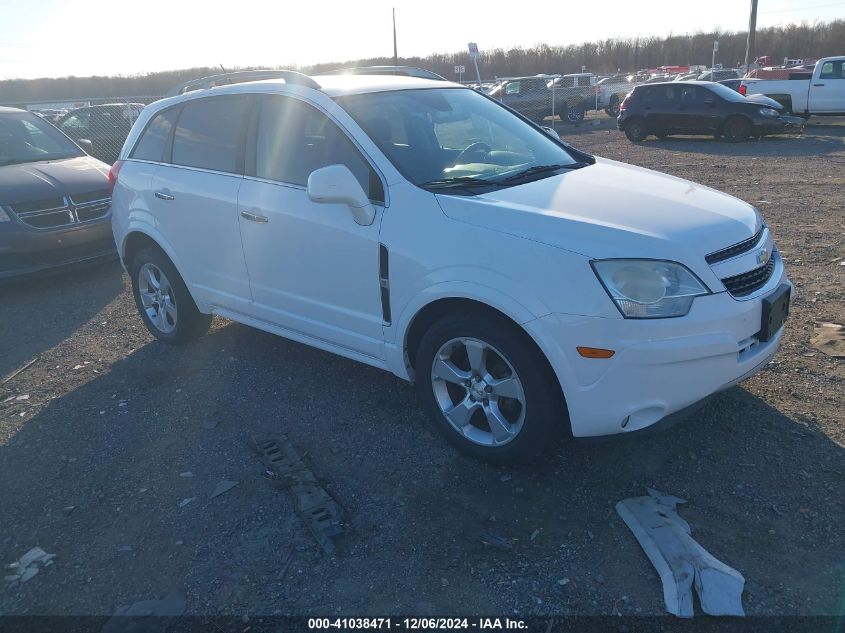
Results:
[225, 79]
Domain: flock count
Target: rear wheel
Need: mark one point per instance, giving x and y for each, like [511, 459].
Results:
[635, 130]
[487, 388]
[575, 114]
[166, 306]
[736, 129]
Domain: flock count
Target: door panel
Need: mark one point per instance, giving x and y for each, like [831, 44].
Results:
[197, 207]
[312, 269]
[202, 225]
[827, 92]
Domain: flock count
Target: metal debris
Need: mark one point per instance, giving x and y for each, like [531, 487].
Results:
[223, 486]
[27, 566]
[494, 540]
[320, 512]
[679, 559]
[20, 370]
[829, 338]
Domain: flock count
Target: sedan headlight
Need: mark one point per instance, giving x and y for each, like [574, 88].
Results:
[768, 112]
[649, 288]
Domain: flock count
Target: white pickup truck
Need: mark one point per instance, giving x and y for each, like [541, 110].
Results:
[822, 94]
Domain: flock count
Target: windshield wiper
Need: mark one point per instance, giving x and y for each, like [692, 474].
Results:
[540, 169]
[458, 181]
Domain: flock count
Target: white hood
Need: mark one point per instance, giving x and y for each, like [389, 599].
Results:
[611, 209]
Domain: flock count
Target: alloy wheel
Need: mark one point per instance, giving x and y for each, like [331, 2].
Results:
[157, 298]
[478, 391]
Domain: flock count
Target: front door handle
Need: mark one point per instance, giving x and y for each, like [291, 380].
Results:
[818, 85]
[161, 195]
[254, 217]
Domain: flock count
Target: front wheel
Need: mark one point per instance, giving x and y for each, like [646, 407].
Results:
[166, 306]
[737, 129]
[488, 389]
[614, 107]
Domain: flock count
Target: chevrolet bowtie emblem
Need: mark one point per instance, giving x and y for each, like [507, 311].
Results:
[763, 256]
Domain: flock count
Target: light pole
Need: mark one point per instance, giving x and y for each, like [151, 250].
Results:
[752, 34]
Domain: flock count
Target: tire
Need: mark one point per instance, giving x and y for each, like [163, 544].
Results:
[575, 114]
[163, 300]
[450, 359]
[614, 107]
[736, 129]
[635, 130]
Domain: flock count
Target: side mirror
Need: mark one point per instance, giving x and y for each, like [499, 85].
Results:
[86, 145]
[337, 184]
[551, 132]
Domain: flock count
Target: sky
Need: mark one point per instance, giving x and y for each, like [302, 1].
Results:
[57, 38]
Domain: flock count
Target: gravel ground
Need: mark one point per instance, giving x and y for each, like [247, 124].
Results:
[94, 462]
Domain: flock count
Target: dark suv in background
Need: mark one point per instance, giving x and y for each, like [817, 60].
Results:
[698, 107]
[106, 126]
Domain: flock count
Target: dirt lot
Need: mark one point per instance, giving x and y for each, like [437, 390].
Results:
[92, 461]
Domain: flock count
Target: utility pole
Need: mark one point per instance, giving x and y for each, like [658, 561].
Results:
[395, 54]
[752, 33]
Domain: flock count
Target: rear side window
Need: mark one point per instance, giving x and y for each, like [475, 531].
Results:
[208, 133]
[833, 70]
[294, 139]
[156, 136]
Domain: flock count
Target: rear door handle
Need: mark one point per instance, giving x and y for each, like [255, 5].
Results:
[254, 217]
[818, 85]
[161, 195]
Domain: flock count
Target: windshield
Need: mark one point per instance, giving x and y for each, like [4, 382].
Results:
[26, 138]
[728, 94]
[452, 134]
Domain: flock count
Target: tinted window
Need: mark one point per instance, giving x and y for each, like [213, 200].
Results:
[295, 139]
[208, 133]
[77, 123]
[155, 137]
[832, 70]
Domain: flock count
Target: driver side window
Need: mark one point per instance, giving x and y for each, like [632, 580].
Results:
[294, 139]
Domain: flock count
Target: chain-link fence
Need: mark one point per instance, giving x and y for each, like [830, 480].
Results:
[99, 125]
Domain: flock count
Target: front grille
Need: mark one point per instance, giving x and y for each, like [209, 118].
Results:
[737, 249]
[744, 284]
[93, 211]
[58, 212]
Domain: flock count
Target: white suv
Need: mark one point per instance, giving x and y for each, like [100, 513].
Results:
[527, 288]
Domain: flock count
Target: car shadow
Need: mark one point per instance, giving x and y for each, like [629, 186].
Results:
[61, 301]
[101, 475]
[818, 141]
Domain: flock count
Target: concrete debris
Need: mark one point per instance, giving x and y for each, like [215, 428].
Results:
[223, 486]
[27, 566]
[494, 540]
[679, 559]
[185, 502]
[829, 338]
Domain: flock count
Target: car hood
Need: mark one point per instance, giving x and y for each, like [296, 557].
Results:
[28, 182]
[612, 209]
[764, 101]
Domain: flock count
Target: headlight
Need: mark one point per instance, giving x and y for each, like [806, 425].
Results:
[649, 288]
[768, 112]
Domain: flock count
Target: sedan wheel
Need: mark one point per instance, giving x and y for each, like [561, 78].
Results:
[478, 391]
[737, 129]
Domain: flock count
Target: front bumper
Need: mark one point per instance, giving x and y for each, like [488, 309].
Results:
[660, 367]
[25, 250]
[778, 125]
